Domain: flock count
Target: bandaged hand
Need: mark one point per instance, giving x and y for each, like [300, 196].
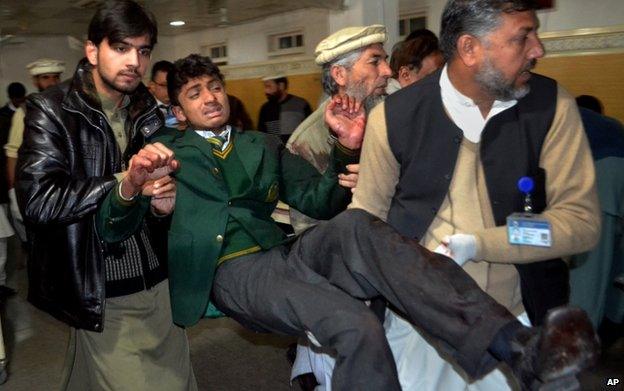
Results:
[460, 247]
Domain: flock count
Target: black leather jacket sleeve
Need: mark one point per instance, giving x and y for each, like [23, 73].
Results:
[54, 184]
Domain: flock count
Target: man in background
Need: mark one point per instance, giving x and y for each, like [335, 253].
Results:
[593, 274]
[45, 72]
[414, 59]
[158, 87]
[283, 112]
[17, 95]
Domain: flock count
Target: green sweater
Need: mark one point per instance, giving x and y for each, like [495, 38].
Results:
[237, 241]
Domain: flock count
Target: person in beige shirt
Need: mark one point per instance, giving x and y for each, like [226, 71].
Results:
[479, 114]
[353, 63]
[45, 73]
[411, 61]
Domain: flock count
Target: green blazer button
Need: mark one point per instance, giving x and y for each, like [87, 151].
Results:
[215, 171]
[219, 238]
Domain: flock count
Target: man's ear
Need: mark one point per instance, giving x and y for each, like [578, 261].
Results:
[405, 73]
[339, 74]
[91, 51]
[469, 49]
[179, 113]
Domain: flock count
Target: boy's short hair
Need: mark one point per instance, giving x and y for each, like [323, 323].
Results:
[187, 68]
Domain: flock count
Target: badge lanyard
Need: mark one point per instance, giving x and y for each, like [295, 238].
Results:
[526, 228]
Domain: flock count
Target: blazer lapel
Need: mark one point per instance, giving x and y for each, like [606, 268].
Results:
[192, 139]
[249, 152]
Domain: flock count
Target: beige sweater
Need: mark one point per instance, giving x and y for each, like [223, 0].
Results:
[570, 191]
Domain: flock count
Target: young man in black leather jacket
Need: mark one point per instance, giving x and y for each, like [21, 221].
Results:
[83, 140]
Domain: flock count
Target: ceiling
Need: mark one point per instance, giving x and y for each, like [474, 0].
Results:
[71, 17]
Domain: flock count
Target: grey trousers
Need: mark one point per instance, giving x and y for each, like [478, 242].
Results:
[317, 283]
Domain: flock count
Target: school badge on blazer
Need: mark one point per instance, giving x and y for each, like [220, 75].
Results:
[273, 192]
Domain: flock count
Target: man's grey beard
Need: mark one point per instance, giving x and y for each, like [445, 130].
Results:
[372, 101]
[358, 91]
[493, 82]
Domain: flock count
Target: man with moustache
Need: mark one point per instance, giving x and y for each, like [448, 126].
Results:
[283, 112]
[442, 158]
[84, 140]
[355, 64]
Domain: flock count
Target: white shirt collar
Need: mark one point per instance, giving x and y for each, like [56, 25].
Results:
[13, 108]
[225, 134]
[464, 112]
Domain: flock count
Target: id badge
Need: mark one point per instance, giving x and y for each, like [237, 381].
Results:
[527, 229]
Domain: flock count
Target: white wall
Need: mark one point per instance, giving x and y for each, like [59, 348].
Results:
[16, 53]
[576, 14]
[367, 12]
[247, 43]
[164, 50]
[566, 15]
[434, 15]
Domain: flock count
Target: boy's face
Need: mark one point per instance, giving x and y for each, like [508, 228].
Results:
[203, 103]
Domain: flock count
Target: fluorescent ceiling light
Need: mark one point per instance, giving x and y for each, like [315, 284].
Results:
[177, 23]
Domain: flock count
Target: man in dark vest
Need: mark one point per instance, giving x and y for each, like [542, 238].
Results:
[442, 158]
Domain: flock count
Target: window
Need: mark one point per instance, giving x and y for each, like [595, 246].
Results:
[217, 53]
[409, 23]
[286, 43]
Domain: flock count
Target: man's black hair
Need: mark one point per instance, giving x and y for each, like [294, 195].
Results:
[413, 51]
[161, 66]
[16, 90]
[418, 33]
[121, 19]
[589, 102]
[475, 17]
[187, 68]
